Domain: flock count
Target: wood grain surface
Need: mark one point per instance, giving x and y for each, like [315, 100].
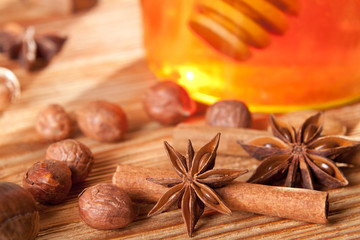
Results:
[104, 59]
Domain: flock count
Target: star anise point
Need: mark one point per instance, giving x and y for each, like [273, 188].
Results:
[193, 191]
[301, 158]
[34, 51]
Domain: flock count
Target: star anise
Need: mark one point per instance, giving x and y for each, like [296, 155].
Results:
[193, 190]
[33, 51]
[301, 158]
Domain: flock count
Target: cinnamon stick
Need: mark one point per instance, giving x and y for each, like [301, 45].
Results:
[229, 137]
[298, 204]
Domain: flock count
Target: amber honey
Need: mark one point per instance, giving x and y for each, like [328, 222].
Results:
[313, 63]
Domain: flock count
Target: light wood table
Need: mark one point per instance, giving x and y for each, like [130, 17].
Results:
[104, 59]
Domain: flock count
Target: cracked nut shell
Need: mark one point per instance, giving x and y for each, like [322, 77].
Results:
[48, 181]
[19, 217]
[105, 206]
[102, 120]
[75, 155]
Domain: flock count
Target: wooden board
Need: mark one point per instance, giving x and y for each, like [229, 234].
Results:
[104, 59]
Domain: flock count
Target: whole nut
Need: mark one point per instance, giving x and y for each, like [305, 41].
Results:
[76, 155]
[19, 217]
[48, 181]
[168, 103]
[9, 88]
[102, 121]
[229, 113]
[105, 206]
[53, 123]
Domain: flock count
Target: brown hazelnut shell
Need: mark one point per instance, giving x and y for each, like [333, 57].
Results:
[229, 113]
[48, 181]
[19, 217]
[53, 123]
[168, 103]
[105, 206]
[102, 120]
[77, 156]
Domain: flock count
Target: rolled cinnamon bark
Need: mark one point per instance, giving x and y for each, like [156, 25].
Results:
[293, 203]
[229, 136]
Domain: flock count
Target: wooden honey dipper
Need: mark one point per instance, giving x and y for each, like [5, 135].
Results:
[231, 27]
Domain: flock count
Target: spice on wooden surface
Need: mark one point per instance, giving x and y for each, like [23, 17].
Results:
[228, 145]
[229, 136]
[194, 189]
[299, 158]
[34, 51]
[331, 125]
[292, 203]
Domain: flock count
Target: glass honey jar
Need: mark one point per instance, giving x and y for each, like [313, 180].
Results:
[275, 55]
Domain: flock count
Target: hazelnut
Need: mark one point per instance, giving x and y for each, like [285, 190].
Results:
[9, 88]
[48, 181]
[102, 121]
[105, 206]
[76, 155]
[168, 103]
[19, 217]
[53, 123]
[229, 113]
